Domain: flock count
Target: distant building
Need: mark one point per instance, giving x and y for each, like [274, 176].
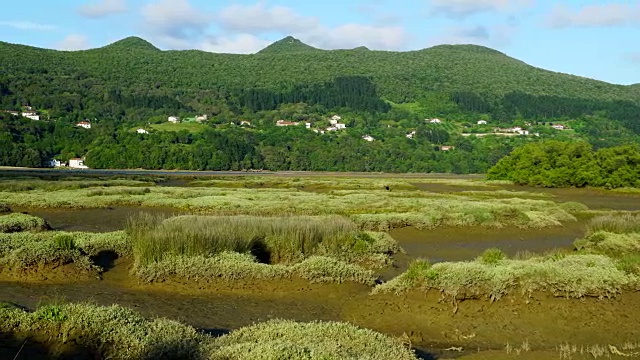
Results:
[14, 113]
[142, 131]
[57, 163]
[286, 123]
[84, 124]
[434, 121]
[411, 135]
[33, 115]
[77, 163]
[307, 125]
[482, 122]
[245, 123]
[446, 148]
[332, 128]
[336, 118]
[201, 118]
[368, 138]
[340, 126]
[173, 119]
[559, 127]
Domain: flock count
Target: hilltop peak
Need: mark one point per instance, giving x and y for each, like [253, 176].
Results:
[132, 42]
[287, 45]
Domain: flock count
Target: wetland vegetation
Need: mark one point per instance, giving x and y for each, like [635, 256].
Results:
[237, 234]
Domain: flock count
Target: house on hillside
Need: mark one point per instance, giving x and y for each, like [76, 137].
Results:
[77, 163]
[245, 123]
[369, 138]
[201, 118]
[336, 118]
[340, 126]
[30, 114]
[559, 127]
[446, 147]
[307, 125]
[286, 123]
[173, 119]
[84, 124]
[434, 121]
[411, 135]
[57, 163]
[482, 122]
[142, 131]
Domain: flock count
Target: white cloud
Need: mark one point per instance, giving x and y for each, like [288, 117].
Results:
[495, 35]
[462, 8]
[595, 15]
[258, 18]
[27, 25]
[174, 22]
[73, 42]
[238, 44]
[103, 8]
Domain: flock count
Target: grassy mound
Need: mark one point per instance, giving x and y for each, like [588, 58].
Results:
[493, 276]
[115, 332]
[16, 222]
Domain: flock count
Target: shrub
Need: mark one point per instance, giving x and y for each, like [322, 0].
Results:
[16, 222]
[492, 256]
[607, 243]
[4, 208]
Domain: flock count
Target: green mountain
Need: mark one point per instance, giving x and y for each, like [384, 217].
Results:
[131, 43]
[287, 45]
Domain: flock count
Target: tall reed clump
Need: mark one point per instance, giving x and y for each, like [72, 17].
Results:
[270, 239]
[16, 222]
[617, 224]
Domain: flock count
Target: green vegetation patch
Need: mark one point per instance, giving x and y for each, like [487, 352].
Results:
[190, 127]
[16, 222]
[493, 276]
[115, 332]
[4, 208]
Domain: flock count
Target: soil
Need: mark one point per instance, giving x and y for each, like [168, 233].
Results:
[421, 319]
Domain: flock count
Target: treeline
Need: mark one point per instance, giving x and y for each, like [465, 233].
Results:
[570, 164]
[519, 105]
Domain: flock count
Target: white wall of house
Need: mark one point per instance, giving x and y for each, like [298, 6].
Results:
[77, 164]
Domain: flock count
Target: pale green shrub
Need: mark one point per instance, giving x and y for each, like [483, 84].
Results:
[16, 222]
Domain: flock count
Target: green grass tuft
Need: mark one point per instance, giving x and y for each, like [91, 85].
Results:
[16, 222]
[492, 256]
[617, 224]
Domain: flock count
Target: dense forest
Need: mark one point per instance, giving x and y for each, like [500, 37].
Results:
[382, 94]
[561, 164]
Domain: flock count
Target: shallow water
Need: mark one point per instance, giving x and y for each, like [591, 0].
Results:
[92, 220]
[458, 244]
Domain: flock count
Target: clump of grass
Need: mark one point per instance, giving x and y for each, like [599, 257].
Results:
[64, 242]
[16, 222]
[570, 276]
[630, 264]
[617, 224]
[283, 339]
[492, 256]
[230, 266]
[573, 207]
[274, 240]
[612, 244]
[119, 191]
[115, 332]
[4, 208]
[112, 332]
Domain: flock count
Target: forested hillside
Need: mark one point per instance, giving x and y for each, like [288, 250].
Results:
[386, 95]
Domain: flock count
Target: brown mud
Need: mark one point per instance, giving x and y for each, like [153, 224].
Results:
[424, 320]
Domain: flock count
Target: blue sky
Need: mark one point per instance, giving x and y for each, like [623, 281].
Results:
[596, 39]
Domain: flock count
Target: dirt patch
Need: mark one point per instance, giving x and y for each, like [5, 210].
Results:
[51, 273]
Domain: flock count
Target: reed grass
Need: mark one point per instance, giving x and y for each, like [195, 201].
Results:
[16, 222]
[67, 184]
[273, 240]
[615, 223]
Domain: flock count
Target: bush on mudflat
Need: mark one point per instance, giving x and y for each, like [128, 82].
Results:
[16, 222]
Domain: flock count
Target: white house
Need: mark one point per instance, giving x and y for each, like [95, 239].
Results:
[411, 135]
[142, 131]
[446, 147]
[332, 128]
[559, 127]
[482, 122]
[368, 138]
[84, 124]
[56, 163]
[333, 121]
[31, 115]
[173, 119]
[336, 118]
[307, 125]
[340, 126]
[245, 123]
[201, 118]
[435, 121]
[285, 123]
[77, 163]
